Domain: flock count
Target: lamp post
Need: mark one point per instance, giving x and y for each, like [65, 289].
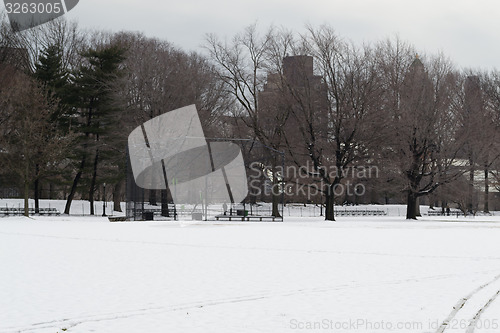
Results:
[104, 200]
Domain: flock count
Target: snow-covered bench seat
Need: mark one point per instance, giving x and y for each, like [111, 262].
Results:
[20, 211]
[246, 218]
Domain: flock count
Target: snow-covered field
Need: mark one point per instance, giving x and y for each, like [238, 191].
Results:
[360, 274]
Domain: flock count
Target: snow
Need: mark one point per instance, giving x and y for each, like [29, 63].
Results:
[360, 274]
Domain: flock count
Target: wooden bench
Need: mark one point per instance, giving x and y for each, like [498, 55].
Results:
[20, 211]
[245, 218]
[352, 212]
[229, 217]
[117, 218]
[261, 218]
[440, 213]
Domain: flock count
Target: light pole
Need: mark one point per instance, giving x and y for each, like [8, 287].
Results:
[104, 200]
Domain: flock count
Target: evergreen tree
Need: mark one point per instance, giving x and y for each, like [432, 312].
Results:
[53, 80]
[94, 88]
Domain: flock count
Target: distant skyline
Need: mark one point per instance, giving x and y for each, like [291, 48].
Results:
[466, 31]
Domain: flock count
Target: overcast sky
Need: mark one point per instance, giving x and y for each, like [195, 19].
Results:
[465, 30]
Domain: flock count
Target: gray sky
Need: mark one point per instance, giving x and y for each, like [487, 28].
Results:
[465, 30]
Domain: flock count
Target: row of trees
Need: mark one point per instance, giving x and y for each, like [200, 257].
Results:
[422, 122]
[70, 97]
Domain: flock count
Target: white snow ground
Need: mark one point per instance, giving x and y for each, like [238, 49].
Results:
[361, 274]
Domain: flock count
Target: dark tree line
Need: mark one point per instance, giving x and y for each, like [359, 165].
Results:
[82, 93]
[69, 98]
[420, 121]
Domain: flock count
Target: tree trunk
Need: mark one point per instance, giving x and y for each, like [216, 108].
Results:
[26, 198]
[275, 202]
[417, 208]
[411, 206]
[93, 182]
[329, 209]
[37, 194]
[152, 198]
[74, 186]
[486, 190]
[164, 203]
[275, 193]
[470, 199]
[116, 197]
[330, 204]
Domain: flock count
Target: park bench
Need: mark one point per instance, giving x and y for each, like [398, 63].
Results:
[6, 211]
[363, 212]
[246, 218]
[117, 219]
[452, 212]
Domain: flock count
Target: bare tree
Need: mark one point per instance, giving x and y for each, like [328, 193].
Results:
[337, 114]
[422, 131]
[242, 65]
[490, 85]
[30, 142]
[60, 32]
[160, 78]
[488, 129]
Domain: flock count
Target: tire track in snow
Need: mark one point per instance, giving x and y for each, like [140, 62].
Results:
[461, 303]
[68, 323]
[474, 320]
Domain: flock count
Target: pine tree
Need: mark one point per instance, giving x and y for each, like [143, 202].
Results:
[53, 80]
[93, 88]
